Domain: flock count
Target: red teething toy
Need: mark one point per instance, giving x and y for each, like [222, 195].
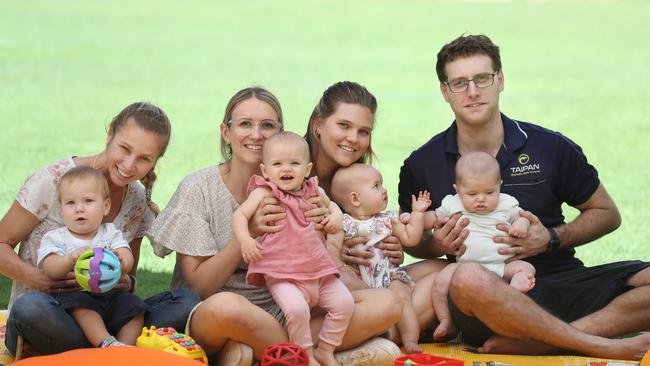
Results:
[284, 354]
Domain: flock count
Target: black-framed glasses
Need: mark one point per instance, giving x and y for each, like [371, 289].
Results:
[480, 80]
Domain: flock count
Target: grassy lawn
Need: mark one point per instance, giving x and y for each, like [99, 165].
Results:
[67, 67]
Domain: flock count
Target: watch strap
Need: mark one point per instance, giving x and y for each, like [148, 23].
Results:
[554, 243]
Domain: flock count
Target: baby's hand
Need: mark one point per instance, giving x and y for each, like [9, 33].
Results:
[421, 203]
[75, 254]
[405, 217]
[250, 250]
[329, 226]
[517, 231]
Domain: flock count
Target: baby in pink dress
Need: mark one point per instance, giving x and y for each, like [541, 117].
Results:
[294, 263]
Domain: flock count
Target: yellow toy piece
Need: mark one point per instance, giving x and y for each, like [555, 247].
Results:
[646, 359]
[169, 340]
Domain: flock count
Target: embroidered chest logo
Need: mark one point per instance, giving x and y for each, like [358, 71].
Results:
[525, 166]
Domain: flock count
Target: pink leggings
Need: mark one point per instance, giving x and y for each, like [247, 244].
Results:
[296, 298]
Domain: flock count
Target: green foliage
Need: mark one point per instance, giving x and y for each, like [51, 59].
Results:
[67, 67]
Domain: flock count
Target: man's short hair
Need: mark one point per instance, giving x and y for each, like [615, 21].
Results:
[466, 46]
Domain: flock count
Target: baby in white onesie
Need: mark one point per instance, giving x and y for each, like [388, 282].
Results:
[478, 198]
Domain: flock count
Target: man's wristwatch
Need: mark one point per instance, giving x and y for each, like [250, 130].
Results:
[554, 243]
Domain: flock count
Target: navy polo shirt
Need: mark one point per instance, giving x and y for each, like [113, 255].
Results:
[541, 168]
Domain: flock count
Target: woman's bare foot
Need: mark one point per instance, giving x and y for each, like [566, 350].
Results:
[523, 282]
[444, 329]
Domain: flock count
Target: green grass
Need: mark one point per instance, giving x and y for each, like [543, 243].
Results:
[67, 67]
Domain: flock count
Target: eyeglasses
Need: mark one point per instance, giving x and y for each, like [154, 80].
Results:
[265, 127]
[461, 85]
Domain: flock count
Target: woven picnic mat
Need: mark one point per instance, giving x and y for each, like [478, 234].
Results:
[5, 357]
[460, 352]
[450, 350]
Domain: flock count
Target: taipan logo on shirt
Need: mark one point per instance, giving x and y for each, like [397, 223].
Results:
[525, 167]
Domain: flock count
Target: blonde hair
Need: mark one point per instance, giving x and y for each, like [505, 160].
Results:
[286, 137]
[85, 172]
[255, 92]
[477, 164]
[151, 119]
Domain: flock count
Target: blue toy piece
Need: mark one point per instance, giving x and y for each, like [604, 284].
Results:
[97, 270]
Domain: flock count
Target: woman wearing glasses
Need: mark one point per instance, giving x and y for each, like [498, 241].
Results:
[197, 225]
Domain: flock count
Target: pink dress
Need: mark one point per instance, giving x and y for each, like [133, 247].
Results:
[298, 252]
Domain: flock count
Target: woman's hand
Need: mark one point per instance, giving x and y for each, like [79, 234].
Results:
[268, 212]
[393, 249]
[534, 242]
[352, 255]
[127, 283]
[449, 235]
[318, 214]
[66, 284]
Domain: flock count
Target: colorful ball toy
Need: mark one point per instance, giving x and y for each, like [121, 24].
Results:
[284, 354]
[97, 270]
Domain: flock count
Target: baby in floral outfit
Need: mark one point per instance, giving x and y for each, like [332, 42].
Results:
[359, 192]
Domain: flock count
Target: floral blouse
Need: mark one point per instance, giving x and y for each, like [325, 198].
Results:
[39, 195]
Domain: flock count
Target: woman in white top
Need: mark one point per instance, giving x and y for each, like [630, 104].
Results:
[137, 137]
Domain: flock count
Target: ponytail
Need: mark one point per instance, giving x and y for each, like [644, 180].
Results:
[148, 181]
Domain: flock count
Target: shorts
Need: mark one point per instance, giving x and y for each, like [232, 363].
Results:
[273, 310]
[115, 307]
[569, 295]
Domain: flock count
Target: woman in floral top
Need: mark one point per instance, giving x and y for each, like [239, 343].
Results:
[137, 137]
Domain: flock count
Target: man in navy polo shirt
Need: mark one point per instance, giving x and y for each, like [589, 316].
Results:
[542, 169]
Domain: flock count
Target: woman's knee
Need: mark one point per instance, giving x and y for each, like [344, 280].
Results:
[387, 304]
[33, 304]
[225, 308]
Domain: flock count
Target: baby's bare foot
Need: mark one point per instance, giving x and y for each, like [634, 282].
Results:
[444, 329]
[411, 347]
[523, 282]
[325, 358]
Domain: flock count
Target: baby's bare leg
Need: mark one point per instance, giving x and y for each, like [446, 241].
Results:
[408, 325]
[520, 275]
[91, 324]
[439, 299]
[131, 330]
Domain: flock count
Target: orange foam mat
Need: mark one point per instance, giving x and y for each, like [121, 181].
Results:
[458, 351]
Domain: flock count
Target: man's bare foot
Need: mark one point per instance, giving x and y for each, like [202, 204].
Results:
[619, 349]
[510, 346]
[523, 282]
[627, 348]
[411, 347]
[324, 358]
[444, 329]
